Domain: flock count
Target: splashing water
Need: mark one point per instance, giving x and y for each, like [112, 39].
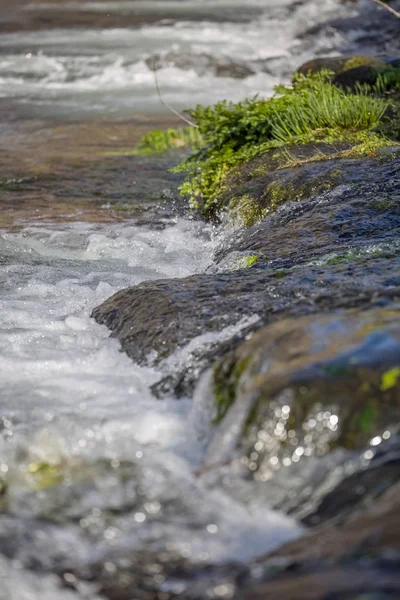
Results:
[75, 409]
[81, 71]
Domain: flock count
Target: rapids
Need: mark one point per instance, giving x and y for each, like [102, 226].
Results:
[73, 408]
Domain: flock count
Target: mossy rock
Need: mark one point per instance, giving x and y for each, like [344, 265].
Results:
[259, 187]
[303, 387]
[349, 73]
[340, 64]
[352, 78]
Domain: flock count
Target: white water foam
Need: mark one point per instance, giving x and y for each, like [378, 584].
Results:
[52, 354]
[69, 396]
[106, 70]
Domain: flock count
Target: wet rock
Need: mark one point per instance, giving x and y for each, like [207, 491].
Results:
[358, 486]
[340, 251]
[352, 78]
[159, 317]
[356, 559]
[352, 72]
[323, 207]
[305, 387]
[202, 64]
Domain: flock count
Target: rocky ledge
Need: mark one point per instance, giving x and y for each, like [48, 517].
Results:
[302, 302]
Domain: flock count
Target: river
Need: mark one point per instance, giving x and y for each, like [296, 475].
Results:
[76, 90]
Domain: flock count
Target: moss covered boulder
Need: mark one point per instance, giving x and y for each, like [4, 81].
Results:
[352, 73]
[340, 64]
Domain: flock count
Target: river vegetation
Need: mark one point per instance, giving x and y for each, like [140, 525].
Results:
[312, 110]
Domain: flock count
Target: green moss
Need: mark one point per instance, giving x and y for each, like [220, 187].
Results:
[364, 144]
[363, 253]
[368, 417]
[245, 211]
[252, 260]
[162, 140]
[310, 111]
[260, 171]
[238, 260]
[225, 385]
[313, 110]
[383, 205]
[362, 61]
[390, 378]
[279, 194]
[280, 274]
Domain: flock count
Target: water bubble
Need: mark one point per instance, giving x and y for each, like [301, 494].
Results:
[152, 508]
[139, 517]
[226, 590]
[376, 440]
[111, 533]
[212, 528]
[334, 419]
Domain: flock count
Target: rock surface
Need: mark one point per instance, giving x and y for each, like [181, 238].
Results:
[357, 559]
[340, 251]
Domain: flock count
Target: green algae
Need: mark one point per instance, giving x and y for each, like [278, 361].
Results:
[45, 475]
[225, 385]
[246, 210]
[362, 61]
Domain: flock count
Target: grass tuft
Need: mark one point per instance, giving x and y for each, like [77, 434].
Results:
[311, 110]
[162, 140]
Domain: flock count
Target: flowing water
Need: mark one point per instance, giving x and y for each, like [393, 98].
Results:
[74, 410]
[71, 71]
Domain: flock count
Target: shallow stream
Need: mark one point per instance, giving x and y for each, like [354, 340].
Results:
[70, 401]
